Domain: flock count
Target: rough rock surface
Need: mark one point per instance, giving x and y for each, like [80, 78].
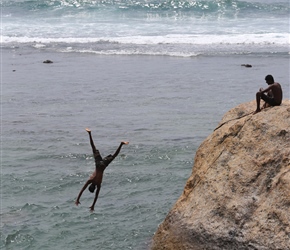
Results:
[238, 195]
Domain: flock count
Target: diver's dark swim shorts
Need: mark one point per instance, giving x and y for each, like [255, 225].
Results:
[102, 163]
[108, 159]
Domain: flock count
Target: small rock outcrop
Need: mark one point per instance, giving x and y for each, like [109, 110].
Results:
[47, 61]
[238, 195]
[247, 65]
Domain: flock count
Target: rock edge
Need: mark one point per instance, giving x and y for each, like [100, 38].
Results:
[238, 195]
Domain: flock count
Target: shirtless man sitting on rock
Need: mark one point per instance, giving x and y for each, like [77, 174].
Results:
[272, 95]
[97, 177]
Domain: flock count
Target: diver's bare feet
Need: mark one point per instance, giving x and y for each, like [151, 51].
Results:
[125, 142]
[88, 130]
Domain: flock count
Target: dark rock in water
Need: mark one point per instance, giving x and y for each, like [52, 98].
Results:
[247, 65]
[47, 61]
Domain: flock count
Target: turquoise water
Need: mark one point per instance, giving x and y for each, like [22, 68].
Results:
[172, 28]
[159, 74]
[164, 106]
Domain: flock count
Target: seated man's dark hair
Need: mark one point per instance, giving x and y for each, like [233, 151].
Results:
[92, 188]
[269, 78]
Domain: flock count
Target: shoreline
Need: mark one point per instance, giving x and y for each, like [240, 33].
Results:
[155, 50]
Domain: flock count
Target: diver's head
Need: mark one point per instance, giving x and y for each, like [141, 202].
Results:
[92, 187]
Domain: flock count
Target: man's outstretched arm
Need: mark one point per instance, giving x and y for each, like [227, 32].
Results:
[119, 148]
[92, 207]
[81, 192]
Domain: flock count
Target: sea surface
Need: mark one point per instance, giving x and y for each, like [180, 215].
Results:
[159, 74]
[151, 27]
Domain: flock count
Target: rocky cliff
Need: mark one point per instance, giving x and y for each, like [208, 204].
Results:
[238, 195]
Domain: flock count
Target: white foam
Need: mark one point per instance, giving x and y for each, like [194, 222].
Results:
[232, 39]
[39, 45]
[134, 52]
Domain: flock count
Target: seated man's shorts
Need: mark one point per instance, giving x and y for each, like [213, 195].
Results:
[269, 100]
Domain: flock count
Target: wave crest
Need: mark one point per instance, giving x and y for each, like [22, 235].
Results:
[186, 6]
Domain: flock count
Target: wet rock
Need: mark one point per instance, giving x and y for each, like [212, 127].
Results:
[247, 65]
[47, 61]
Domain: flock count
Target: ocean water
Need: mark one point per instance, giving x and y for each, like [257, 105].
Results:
[159, 74]
[161, 27]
